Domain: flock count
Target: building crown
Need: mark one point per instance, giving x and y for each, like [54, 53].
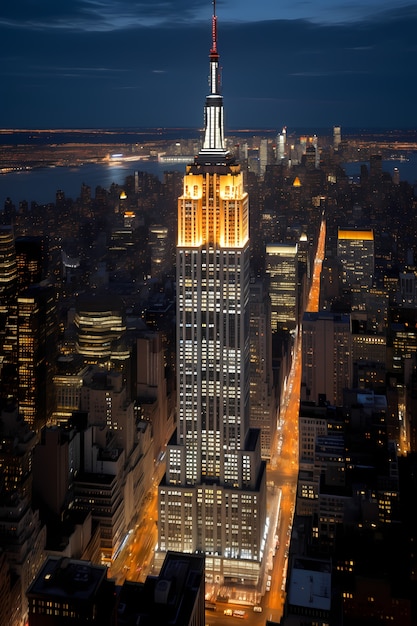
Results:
[213, 150]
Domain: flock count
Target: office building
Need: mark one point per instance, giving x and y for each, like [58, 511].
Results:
[71, 591]
[16, 452]
[282, 145]
[31, 257]
[282, 269]
[337, 137]
[56, 460]
[326, 357]
[263, 413]
[67, 382]
[355, 249]
[37, 328]
[173, 598]
[158, 243]
[127, 450]
[212, 498]
[8, 312]
[263, 156]
[100, 325]
[153, 401]
[8, 265]
[22, 539]
[99, 488]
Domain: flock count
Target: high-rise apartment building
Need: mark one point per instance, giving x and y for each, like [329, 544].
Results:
[213, 496]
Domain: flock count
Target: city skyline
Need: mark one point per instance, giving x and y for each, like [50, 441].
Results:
[116, 65]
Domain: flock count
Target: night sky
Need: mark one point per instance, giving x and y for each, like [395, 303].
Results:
[144, 63]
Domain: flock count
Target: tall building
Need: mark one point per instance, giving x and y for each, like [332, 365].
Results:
[100, 325]
[326, 357]
[8, 312]
[37, 331]
[263, 412]
[23, 540]
[213, 496]
[71, 591]
[282, 269]
[263, 156]
[16, 452]
[355, 249]
[8, 265]
[158, 243]
[175, 597]
[281, 145]
[337, 137]
[31, 256]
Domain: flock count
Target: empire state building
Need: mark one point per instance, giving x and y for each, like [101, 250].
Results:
[213, 497]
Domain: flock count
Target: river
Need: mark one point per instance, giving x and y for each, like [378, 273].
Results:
[42, 184]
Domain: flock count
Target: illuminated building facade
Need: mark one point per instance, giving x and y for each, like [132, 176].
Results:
[100, 325]
[213, 496]
[337, 137]
[355, 249]
[31, 255]
[281, 145]
[282, 269]
[8, 265]
[158, 243]
[37, 332]
[8, 311]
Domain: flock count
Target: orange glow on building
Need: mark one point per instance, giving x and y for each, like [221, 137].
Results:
[363, 235]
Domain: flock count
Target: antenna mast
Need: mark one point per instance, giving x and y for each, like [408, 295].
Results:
[213, 52]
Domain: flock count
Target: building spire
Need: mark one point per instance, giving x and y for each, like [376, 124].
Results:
[213, 149]
[213, 51]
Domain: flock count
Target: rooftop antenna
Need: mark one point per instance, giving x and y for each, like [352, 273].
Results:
[213, 51]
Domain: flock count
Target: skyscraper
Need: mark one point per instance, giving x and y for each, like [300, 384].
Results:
[326, 357]
[36, 345]
[355, 249]
[282, 269]
[213, 496]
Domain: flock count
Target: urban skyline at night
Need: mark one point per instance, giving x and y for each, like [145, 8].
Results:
[208, 345]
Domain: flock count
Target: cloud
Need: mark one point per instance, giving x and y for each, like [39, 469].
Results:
[276, 72]
[97, 15]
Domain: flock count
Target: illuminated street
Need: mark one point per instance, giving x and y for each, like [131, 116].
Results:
[134, 562]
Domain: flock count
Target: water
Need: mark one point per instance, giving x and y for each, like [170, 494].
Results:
[407, 168]
[42, 184]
